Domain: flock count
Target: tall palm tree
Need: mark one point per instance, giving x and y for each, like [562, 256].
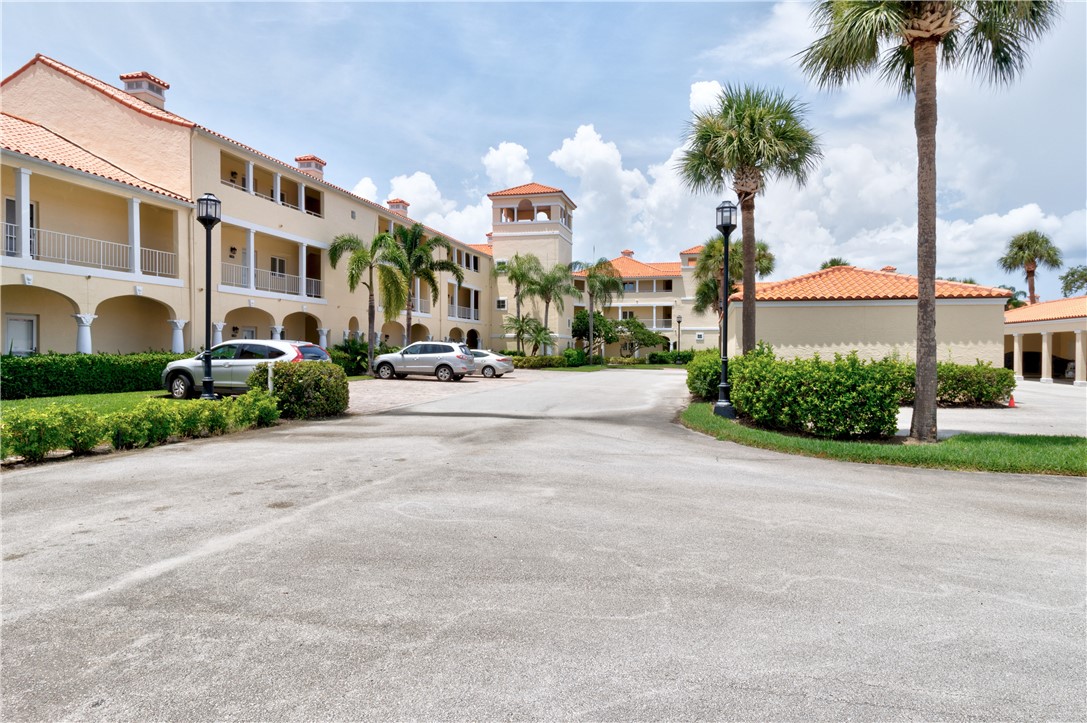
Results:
[603, 284]
[418, 262]
[902, 40]
[552, 287]
[1028, 251]
[708, 265]
[521, 271]
[383, 256]
[753, 136]
[1016, 299]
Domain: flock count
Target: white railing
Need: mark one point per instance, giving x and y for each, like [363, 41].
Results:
[463, 312]
[235, 275]
[420, 306]
[313, 288]
[65, 248]
[234, 185]
[276, 283]
[663, 324]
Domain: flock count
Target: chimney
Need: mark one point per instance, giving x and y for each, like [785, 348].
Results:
[890, 269]
[146, 87]
[311, 166]
[628, 253]
[398, 205]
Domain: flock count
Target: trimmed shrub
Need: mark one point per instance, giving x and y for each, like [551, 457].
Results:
[216, 415]
[538, 362]
[85, 428]
[160, 419]
[704, 374]
[304, 390]
[33, 433]
[255, 408]
[671, 357]
[574, 357]
[191, 419]
[51, 375]
[352, 356]
[128, 430]
[625, 361]
[979, 384]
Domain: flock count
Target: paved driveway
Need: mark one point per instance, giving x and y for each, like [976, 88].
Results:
[550, 548]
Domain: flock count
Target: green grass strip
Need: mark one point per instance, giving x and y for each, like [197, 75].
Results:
[101, 403]
[1028, 454]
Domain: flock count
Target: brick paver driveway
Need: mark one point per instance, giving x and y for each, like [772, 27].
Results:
[547, 546]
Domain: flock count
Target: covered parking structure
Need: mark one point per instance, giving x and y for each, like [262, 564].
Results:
[1048, 340]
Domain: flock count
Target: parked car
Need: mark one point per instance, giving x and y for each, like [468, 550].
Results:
[490, 364]
[447, 360]
[232, 362]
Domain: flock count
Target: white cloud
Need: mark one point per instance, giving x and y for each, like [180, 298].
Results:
[774, 44]
[507, 165]
[704, 94]
[422, 193]
[367, 189]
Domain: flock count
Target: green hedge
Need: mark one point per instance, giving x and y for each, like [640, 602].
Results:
[305, 390]
[52, 375]
[626, 361]
[671, 357]
[704, 374]
[34, 433]
[574, 357]
[538, 362]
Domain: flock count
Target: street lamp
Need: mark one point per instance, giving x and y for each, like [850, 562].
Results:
[726, 223]
[208, 210]
[679, 332]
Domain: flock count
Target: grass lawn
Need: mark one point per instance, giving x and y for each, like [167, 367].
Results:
[101, 403]
[1031, 454]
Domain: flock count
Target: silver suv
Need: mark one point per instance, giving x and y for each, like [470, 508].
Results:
[447, 360]
[232, 362]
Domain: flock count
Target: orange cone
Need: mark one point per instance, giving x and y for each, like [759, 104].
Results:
[1011, 401]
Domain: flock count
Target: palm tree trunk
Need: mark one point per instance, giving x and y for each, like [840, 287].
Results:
[747, 212]
[370, 329]
[923, 425]
[547, 308]
[517, 299]
[1030, 269]
[590, 328]
[411, 303]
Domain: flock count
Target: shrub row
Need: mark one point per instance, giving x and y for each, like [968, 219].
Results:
[34, 433]
[304, 391]
[352, 356]
[538, 362]
[671, 357]
[52, 375]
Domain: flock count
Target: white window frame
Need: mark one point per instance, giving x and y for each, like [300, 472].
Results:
[34, 329]
[281, 263]
[500, 304]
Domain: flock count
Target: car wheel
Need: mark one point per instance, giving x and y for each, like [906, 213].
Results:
[180, 387]
[385, 371]
[443, 373]
[488, 372]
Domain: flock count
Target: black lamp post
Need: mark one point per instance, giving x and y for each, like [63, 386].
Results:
[726, 223]
[679, 332]
[208, 210]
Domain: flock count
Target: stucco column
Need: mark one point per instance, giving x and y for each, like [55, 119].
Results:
[1047, 358]
[217, 335]
[1081, 358]
[276, 187]
[251, 258]
[249, 176]
[134, 235]
[1017, 356]
[301, 197]
[177, 337]
[22, 210]
[83, 333]
[322, 338]
[277, 332]
[301, 269]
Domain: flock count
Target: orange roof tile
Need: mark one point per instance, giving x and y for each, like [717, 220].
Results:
[1072, 308]
[525, 190]
[844, 283]
[628, 268]
[140, 75]
[310, 157]
[692, 250]
[486, 249]
[30, 139]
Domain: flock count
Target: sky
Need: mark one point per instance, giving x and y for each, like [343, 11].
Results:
[442, 103]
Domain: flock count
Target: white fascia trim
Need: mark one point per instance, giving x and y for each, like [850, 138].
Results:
[129, 189]
[269, 295]
[1069, 325]
[538, 234]
[17, 262]
[877, 302]
[268, 231]
[453, 282]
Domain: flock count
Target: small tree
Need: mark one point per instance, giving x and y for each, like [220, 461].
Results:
[538, 336]
[1074, 281]
[603, 331]
[634, 336]
[1016, 299]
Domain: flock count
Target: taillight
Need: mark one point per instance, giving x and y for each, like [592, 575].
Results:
[503, 358]
[297, 354]
[465, 357]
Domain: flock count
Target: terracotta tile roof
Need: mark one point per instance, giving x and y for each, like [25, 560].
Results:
[1072, 308]
[30, 139]
[485, 249]
[310, 157]
[144, 74]
[848, 283]
[692, 250]
[106, 89]
[669, 268]
[527, 189]
[628, 268]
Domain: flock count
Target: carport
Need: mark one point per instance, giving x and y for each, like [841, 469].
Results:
[1046, 338]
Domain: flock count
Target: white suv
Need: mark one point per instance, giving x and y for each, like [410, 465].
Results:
[232, 362]
[447, 360]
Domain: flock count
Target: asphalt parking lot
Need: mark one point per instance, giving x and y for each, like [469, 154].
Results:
[545, 546]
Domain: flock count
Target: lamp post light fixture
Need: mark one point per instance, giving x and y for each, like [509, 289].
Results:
[208, 213]
[726, 224]
[679, 332]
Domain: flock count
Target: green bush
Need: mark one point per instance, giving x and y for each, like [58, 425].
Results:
[216, 416]
[625, 361]
[51, 375]
[671, 357]
[191, 419]
[33, 433]
[304, 390]
[704, 374]
[979, 384]
[352, 356]
[127, 430]
[160, 419]
[538, 362]
[255, 408]
[84, 427]
[574, 357]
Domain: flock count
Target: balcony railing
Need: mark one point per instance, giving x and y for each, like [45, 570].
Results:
[420, 305]
[64, 248]
[663, 324]
[464, 312]
[237, 275]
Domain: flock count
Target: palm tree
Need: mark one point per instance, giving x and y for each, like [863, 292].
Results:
[1016, 299]
[520, 326]
[603, 284]
[901, 40]
[552, 287]
[754, 136]
[834, 261]
[707, 271]
[418, 262]
[521, 271]
[382, 255]
[538, 335]
[1027, 251]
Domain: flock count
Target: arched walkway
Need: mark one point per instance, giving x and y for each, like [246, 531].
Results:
[248, 323]
[37, 320]
[301, 326]
[392, 334]
[473, 339]
[128, 324]
[419, 332]
[353, 330]
[456, 334]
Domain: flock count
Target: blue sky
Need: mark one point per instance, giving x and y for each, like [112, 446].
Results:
[441, 103]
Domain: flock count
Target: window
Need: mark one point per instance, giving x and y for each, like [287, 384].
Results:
[11, 233]
[279, 266]
[627, 315]
[500, 266]
[699, 336]
[666, 285]
[500, 304]
[20, 334]
[475, 263]
[630, 286]
[352, 213]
